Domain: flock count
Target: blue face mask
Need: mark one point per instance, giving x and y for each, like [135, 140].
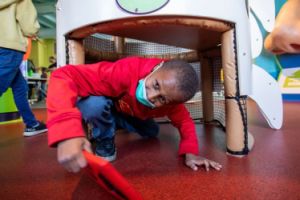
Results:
[141, 94]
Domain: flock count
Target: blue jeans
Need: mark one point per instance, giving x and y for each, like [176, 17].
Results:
[11, 76]
[100, 112]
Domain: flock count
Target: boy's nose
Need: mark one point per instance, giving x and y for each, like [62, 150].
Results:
[152, 95]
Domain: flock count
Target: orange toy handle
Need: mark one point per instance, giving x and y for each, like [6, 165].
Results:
[28, 51]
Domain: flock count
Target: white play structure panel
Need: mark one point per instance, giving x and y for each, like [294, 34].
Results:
[266, 93]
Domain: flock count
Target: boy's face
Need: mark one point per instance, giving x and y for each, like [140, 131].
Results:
[161, 88]
[52, 60]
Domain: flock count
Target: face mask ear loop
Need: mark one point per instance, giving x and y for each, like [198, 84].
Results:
[145, 93]
[155, 68]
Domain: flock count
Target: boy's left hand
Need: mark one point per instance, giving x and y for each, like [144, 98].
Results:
[194, 162]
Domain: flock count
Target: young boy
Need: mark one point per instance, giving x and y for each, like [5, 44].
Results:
[125, 94]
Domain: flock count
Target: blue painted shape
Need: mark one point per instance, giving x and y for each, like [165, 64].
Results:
[289, 60]
[278, 5]
[268, 63]
[266, 60]
[291, 97]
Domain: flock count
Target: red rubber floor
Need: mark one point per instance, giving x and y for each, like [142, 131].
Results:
[29, 170]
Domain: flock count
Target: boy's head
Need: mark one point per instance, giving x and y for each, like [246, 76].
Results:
[174, 82]
[44, 69]
[52, 59]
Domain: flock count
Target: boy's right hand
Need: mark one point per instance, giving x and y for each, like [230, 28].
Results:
[69, 153]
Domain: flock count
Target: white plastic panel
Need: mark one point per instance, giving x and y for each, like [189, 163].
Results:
[256, 37]
[267, 95]
[75, 14]
[265, 12]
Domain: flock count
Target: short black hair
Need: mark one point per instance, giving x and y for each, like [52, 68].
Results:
[187, 78]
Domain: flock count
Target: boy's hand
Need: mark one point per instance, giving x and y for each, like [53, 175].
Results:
[69, 153]
[194, 162]
[285, 36]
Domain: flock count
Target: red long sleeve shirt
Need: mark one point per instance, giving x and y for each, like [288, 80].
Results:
[118, 81]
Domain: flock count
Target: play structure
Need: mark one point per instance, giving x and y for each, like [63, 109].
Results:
[213, 36]
[8, 109]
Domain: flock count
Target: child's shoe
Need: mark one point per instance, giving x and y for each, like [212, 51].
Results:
[106, 149]
[35, 130]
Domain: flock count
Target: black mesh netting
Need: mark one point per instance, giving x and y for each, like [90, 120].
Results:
[104, 44]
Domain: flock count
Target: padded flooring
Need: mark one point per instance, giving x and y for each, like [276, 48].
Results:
[29, 170]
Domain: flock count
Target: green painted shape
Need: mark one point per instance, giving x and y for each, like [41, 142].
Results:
[7, 103]
[139, 6]
[11, 121]
[296, 74]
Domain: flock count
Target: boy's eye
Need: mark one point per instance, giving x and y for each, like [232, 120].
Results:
[162, 100]
[156, 85]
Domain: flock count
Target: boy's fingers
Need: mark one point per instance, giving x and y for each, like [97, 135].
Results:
[78, 163]
[198, 162]
[216, 166]
[75, 163]
[69, 166]
[206, 164]
[193, 166]
[74, 166]
[87, 146]
[81, 161]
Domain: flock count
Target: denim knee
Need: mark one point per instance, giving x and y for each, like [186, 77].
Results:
[94, 107]
[19, 87]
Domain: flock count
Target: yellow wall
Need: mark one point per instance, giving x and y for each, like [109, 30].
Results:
[41, 51]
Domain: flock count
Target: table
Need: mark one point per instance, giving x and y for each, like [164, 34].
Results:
[37, 82]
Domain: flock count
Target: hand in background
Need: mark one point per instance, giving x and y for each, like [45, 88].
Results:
[285, 37]
[34, 37]
[194, 162]
[69, 153]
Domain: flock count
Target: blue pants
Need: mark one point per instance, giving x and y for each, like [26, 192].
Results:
[11, 76]
[100, 112]
[42, 92]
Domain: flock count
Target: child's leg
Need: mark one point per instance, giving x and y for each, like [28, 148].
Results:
[19, 88]
[96, 110]
[11, 76]
[145, 128]
[10, 61]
